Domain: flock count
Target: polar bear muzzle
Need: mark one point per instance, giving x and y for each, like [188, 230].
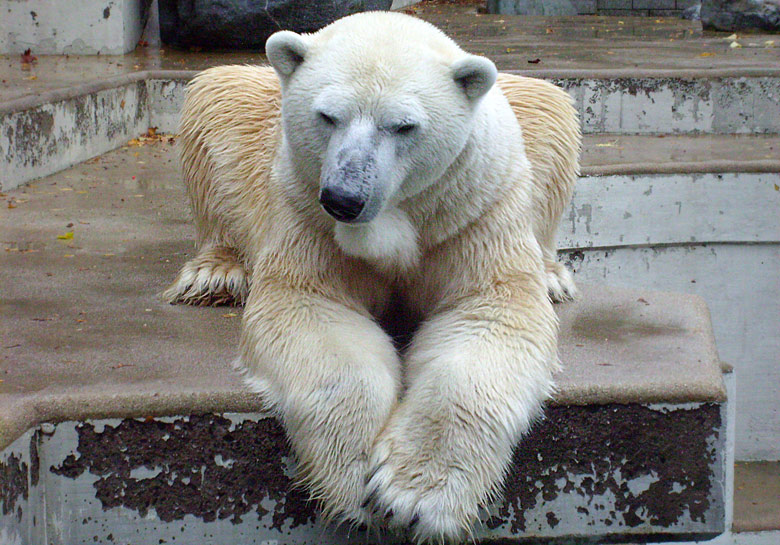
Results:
[342, 204]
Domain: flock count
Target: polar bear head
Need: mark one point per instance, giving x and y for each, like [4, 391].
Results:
[375, 108]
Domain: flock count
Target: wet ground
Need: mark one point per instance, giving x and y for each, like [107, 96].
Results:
[532, 45]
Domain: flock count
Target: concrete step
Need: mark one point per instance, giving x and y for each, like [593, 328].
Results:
[121, 421]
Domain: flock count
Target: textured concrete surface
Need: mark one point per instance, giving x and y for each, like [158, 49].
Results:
[756, 496]
[103, 27]
[90, 338]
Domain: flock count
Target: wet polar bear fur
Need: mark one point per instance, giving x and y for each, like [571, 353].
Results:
[458, 222]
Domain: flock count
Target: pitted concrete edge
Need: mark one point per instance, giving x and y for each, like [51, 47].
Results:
[689, 167]
[111, 82]
[64, 93]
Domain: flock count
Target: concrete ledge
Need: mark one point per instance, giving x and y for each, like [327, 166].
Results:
[58, 128]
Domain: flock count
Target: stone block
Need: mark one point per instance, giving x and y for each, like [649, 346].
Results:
[585, 7]
[613, 5]
[685, 4]
[532, 7]
[53, 27]
[652, 4]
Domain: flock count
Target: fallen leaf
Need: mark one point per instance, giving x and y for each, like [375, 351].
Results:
[777, 187]
[769, 43]
[612, 144]
[11, 205]
[731, 38]
[735, 45]
[28, 57]
[535, 61]
[643, 301]
[230, 315]
[69, 255]
[31, 78]
[706, 54]
[66, 236]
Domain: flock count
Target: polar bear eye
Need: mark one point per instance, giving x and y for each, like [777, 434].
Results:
[404, 128]
[327, 119]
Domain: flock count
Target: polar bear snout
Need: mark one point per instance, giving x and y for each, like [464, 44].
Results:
[342, 204]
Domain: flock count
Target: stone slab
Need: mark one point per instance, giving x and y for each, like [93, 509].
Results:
[89, 337]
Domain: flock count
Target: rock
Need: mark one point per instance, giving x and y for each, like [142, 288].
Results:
[532, 7]
[741, 14]
[247, 24]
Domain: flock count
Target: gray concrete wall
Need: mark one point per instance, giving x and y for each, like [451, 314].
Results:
[713, 235]
[55, 27]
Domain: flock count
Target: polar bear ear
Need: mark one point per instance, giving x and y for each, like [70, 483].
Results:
[475, 75]
[285, 51]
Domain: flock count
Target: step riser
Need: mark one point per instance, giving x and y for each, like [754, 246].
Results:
[595, 471]
[659, 209]
[40, 139]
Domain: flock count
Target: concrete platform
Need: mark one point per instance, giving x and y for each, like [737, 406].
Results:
[633, 46]
[92, 350]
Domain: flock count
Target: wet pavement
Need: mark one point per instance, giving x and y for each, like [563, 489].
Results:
[532, 45]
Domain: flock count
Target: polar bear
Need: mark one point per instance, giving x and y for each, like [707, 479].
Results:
[378, 167]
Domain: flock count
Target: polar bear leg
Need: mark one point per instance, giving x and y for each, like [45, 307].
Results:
[333, 377]
[478, 375]
[560, 281]
[216, 276]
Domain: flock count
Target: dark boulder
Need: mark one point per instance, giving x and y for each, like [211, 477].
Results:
[247, 24]
[741, 14]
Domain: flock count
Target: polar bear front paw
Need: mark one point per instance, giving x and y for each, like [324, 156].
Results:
[435, 500]
[560, 283]
[215, 276]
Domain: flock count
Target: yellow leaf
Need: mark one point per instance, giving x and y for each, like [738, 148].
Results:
[706, 54]
[230, 315]
[608, 144]
[769, 43]
[68, 255]
[66, 236]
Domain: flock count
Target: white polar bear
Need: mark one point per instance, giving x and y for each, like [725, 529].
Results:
[433, 200]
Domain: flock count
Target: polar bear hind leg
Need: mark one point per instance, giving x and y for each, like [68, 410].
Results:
[216, 276]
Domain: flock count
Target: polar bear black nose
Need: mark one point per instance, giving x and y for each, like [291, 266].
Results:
[340, 204]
